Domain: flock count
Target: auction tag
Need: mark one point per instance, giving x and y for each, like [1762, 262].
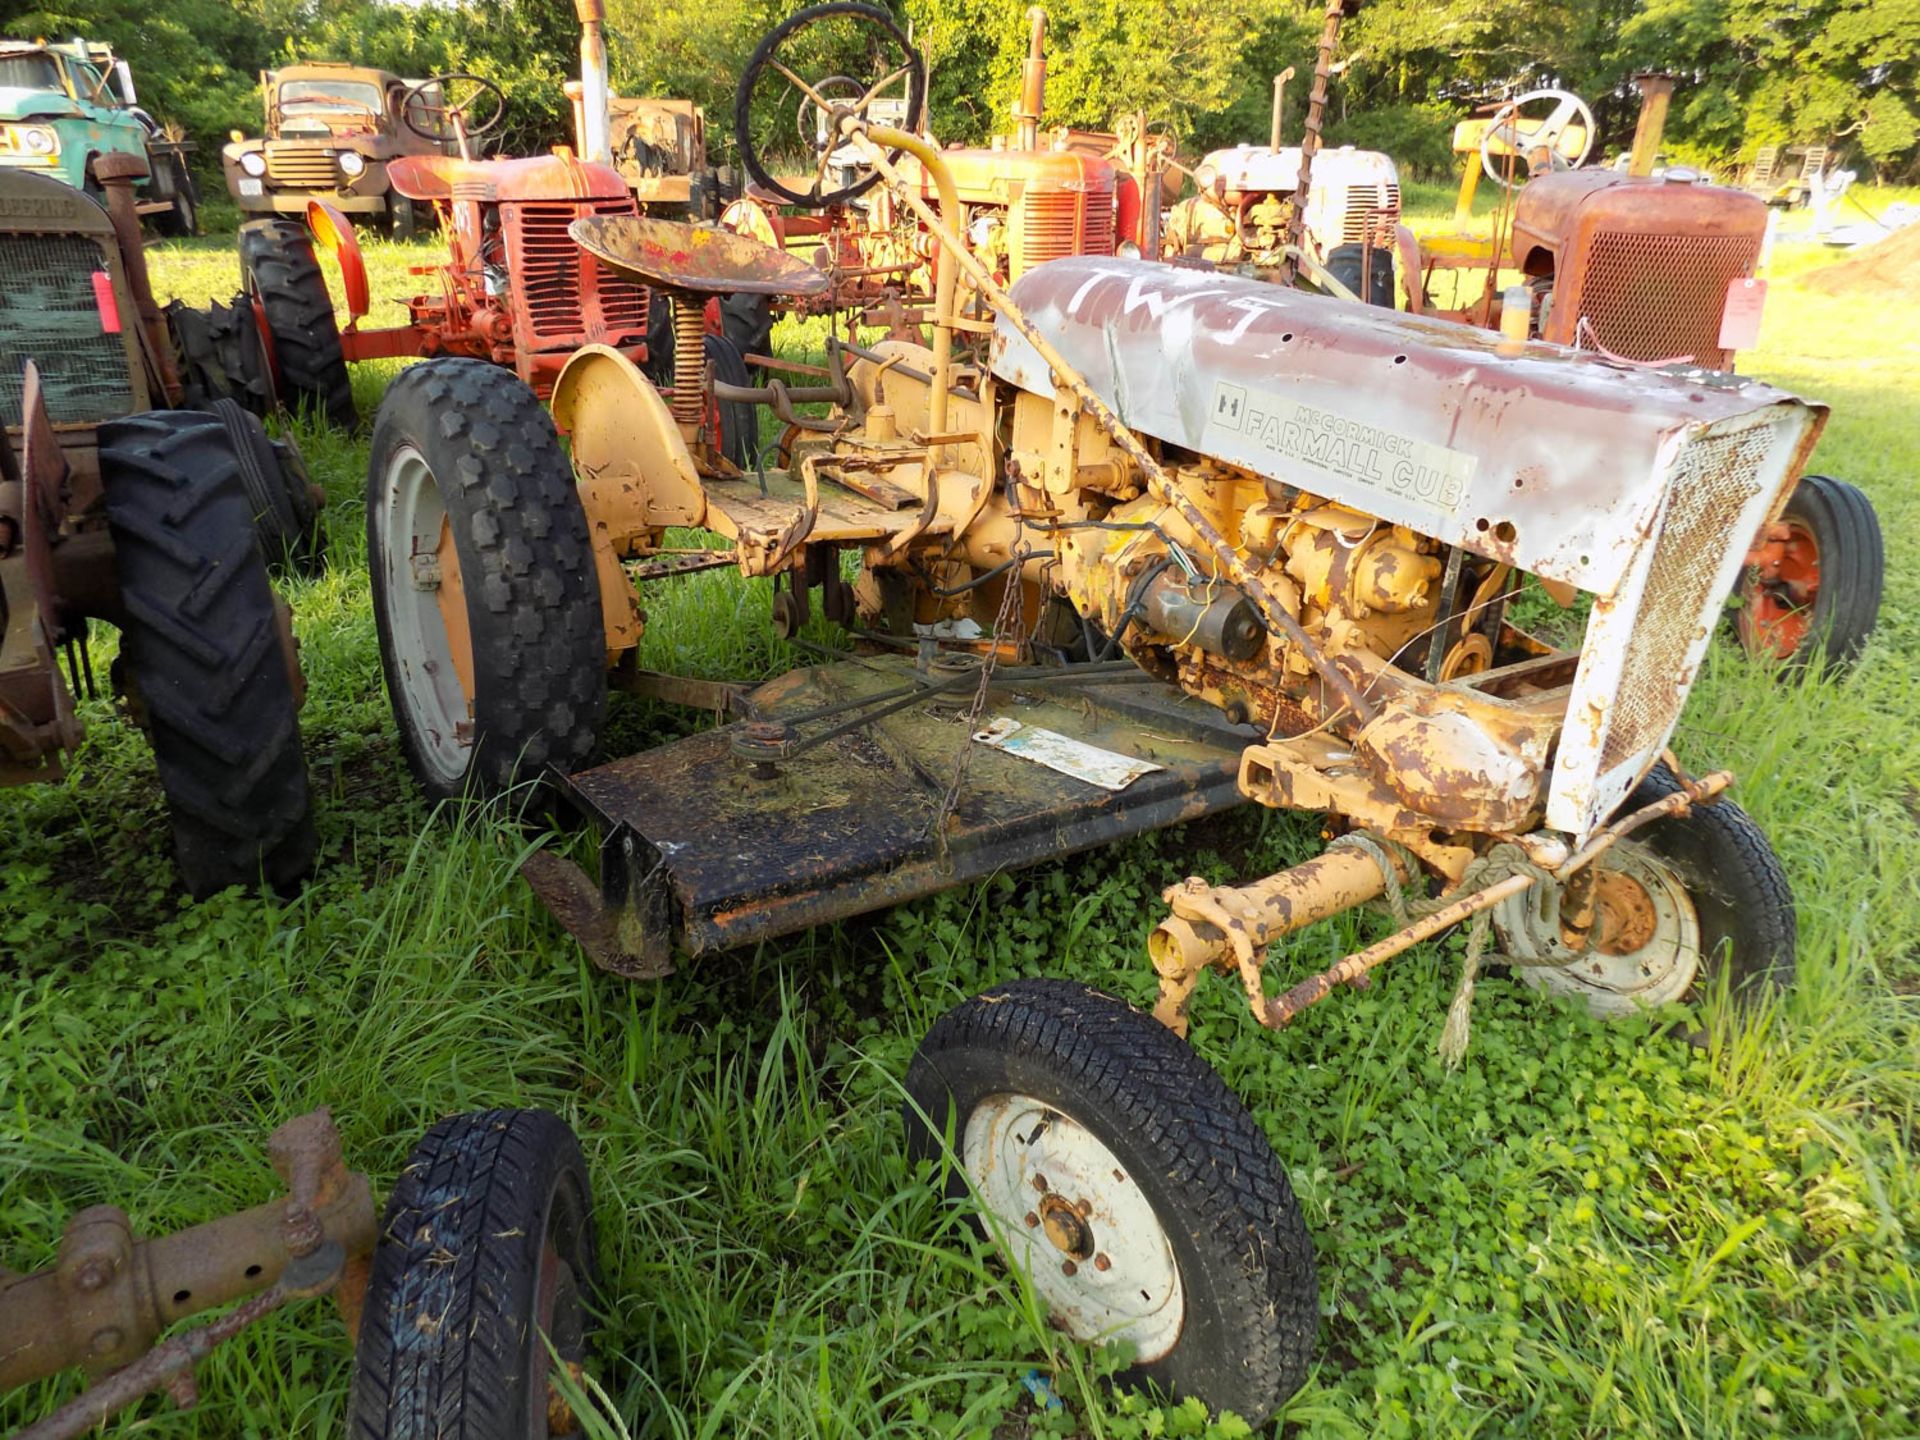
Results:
[1740, 321]
[104, 302]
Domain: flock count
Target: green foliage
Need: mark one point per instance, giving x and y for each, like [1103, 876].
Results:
[1419, 137]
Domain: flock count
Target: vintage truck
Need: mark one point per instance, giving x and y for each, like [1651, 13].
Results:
[331, 129]
[64, 106]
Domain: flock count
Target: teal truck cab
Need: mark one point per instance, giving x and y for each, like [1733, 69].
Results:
[63, 106]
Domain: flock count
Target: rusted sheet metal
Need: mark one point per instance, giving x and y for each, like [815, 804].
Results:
[854, 825]
[533, 177]
[695, 257]
[1552, 460]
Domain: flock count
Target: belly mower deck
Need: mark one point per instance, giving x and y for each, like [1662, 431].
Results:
[860, 784]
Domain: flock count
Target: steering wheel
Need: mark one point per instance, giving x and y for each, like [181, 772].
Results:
[1540, 144]
[859, 56]
[459, 98]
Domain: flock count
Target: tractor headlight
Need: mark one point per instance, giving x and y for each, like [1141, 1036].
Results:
[352, 164]
[1127, 250]
[254, 163]
[39, 140]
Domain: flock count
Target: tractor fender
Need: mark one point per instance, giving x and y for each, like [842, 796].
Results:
[334, 234]
[636, 474]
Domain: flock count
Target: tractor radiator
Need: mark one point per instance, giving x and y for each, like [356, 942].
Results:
[50, 314]
[1658, 297]
[1370, 214]
[305, 167]
[567, 297]
[1055, 222]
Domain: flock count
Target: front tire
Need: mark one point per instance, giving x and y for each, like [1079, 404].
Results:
[485, 1254]
[203, 654]
[1679, 902]
[280, 274]
[1129, 1182]
[484, 587]
[183, 220]
[285, 519]
[1817, 588]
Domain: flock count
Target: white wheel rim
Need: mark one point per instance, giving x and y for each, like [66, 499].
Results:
[1075, 1220]
[1661, 969]
[412, 519]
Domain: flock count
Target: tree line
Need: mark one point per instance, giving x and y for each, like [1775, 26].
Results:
[1751, 72]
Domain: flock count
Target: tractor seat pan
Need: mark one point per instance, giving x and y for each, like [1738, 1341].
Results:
[537, 177]
[703, 258]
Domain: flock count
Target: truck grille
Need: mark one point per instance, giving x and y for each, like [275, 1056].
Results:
[1370, 214]
[1714, 478]
[564, 306]
[1053, 223]
[1660, 297]
[304, 166]
[48, 314]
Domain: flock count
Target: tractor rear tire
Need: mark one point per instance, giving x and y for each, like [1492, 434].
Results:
[223, 355]
[480, 555]
[183, 220]
[278, 270]
[1090, 1133]
[1836, 540]
[202, 651]
[1347, 264]
[285, 519]
[486, 1253]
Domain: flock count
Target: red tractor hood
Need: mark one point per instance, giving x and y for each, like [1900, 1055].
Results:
[538, 177]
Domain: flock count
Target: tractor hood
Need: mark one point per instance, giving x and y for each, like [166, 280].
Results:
[17, 104]
[1536, 455]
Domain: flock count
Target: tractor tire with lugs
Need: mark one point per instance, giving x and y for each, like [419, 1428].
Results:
[285, 518]
[202, 652]
[1837, 545]
[278, 269]
[1116, 1164]
[486, 1253]
[466, 470]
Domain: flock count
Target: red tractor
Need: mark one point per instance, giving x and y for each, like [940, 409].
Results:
[515, 291]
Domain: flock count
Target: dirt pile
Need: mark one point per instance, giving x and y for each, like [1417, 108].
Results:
[1890, 265]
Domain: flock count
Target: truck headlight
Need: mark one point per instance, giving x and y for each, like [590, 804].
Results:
[254, 163]
[39, 140]
[1127, 250]
[352, 164]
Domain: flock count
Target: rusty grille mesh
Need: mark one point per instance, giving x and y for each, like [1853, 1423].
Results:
[48, 315]
[305, 166]
[1714, 478]
[549, 276]
[1055, 223]
[1370, 210]
[1658, 297]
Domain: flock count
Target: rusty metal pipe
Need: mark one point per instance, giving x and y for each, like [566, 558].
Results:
[116, 173]
[1656, 93]
[1279, 619]
[1279, 104]
[596, 124]
[1327, 885]
[1033, 82]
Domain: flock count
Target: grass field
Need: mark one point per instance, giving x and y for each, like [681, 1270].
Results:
[1584, 1231]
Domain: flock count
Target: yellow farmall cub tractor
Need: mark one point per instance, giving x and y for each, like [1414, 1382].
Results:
[1163, 542]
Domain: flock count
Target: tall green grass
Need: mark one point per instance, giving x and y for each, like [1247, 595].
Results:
[1585, 1231]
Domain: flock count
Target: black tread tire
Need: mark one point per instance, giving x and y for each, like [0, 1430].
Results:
[1347, 264]
[278, 266]
[1853, 569]
[526, 561]
[1739, 888]
[284, 516]
[739, 422]
[403, 222]
[201, 645]
[222, 355]
[743, 96]
[1245, 1257]
[458, 1261]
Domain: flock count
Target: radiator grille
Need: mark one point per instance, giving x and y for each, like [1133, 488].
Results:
[1714, 478]
[558, 307]
[305, 165]
[1660, 297]
[48, 314]
[1054, 223]
[1371, 212]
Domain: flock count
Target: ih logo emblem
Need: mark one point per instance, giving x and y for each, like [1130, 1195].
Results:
[1229, 406]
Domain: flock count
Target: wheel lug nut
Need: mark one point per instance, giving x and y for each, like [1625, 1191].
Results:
[1068, 1268]
[1101, 1262]
[1032, 1219]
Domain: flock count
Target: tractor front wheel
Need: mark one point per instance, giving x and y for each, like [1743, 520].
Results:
[1117, 1170]
[484, 588]
[1814, 586]
[286, 518]
[203, 656]
[484, 1260]
[289, 295]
